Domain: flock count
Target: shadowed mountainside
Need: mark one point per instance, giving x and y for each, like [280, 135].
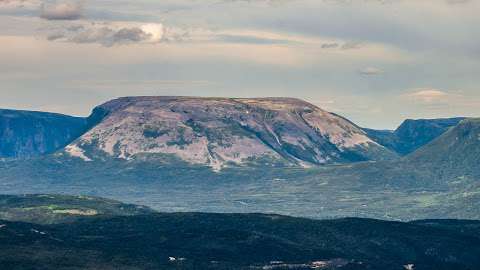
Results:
[26, 134]
[412, 134]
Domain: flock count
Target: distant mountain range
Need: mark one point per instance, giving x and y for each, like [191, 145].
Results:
[138, 238]
[412, 134]
[268, 155]
[26, 134]
[212, 131]
[448, 161]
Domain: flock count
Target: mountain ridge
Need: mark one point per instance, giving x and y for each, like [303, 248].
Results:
[412, 134]
[223, 131]
[25, 134]
[455, 152]
[408, 137]
[439, 179]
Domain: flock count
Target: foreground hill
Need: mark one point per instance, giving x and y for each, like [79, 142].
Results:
[237, 241]
[412, 134]
[220, 131]
[47, 209]
[26, 134]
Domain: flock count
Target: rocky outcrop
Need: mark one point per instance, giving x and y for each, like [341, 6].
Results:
[221, 131]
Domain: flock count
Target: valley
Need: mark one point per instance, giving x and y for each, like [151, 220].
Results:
[220, 241]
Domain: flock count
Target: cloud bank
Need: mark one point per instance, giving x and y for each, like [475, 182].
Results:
[370, 71]
[19, 4]
[428, 95]
[110, 34]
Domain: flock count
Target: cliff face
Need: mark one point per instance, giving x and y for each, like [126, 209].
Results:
[220, 131]
[413, 134]
[27, 134]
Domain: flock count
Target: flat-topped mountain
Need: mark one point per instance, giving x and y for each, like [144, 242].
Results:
[26, 133]
[223, 131]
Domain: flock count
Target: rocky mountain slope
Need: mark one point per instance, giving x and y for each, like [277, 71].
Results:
[412, 134]
[25, 134]
[220, 131]
[237, 241]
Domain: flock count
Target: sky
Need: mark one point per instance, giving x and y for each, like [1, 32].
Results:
[376, 62]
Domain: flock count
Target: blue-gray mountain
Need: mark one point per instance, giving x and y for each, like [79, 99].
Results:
[449, 161]
[412, 134]
[453, 155]
[26, 134]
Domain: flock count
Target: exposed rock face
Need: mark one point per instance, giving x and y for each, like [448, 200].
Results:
[221, 131]
[26, 134]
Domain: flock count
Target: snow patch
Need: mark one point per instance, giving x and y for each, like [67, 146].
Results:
[76, 212]
[39, 232]
[75, 151]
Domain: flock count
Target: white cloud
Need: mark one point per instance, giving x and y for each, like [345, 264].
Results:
[108, 33]
[370, 71]
[283, 48]
[437, 103]
[65, 10]
[454, 2]
[332, 45]
[428, 95]
[19, 4]
[154, 30]
[295, 48]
